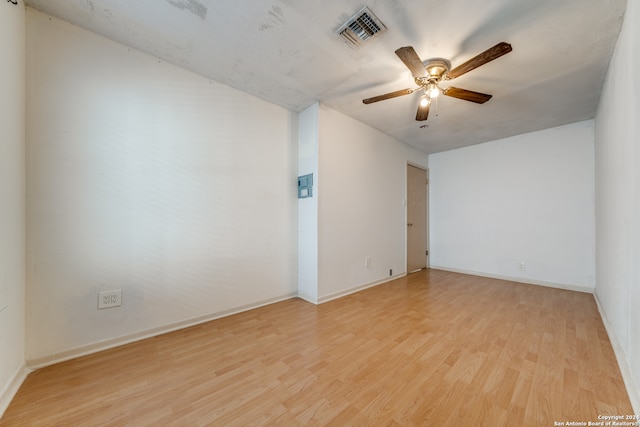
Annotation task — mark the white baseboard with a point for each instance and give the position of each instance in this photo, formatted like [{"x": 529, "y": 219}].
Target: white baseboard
[
  {"x": 307, "y": 298},
  {"x": 633, "y": 391},
  {"x": 41, "y": 362},
  {"x": 9, "y": 391},
  {"x": 577, "y": 288},
  {"x": 355, "y": 289}
]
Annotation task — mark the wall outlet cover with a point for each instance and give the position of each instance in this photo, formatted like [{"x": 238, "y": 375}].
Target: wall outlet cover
[{"x": 108, "y": 299}]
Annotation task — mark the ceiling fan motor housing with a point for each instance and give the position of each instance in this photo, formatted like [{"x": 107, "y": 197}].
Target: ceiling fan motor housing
[{"x": 436, "y": 69}]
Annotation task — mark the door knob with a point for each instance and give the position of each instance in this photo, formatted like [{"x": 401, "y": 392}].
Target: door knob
[{"x": 410, "y": 224}]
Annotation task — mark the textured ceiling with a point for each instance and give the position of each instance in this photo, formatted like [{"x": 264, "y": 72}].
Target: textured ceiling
[{"x": 287, "y": 52}]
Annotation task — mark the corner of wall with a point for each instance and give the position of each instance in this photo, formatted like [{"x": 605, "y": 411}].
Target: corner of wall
[
  {"x": 12, "y": 200},
  {"x": 633, "y": 389},
  {"x": 617, "y": 202},
  {"x": 11, "y": 388},
  {"x": 307, "y": 244}
]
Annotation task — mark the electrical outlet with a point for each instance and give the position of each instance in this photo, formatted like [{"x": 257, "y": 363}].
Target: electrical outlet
[
  {"x": 390, "y": 272},
  {"x": 522, "y": 266},
  {"x": 367, "y": 261},
  {"x": 108, "y": 299}
]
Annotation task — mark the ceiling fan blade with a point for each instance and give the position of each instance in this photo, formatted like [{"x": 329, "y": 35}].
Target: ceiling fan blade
[
  {"x": 389, "y": 95},
  {"x": 487, "y": 56},
  {"x": 412, "y": 61},
  {"x": 423, "y": 112},
  {"x": 467, "y": 95}
]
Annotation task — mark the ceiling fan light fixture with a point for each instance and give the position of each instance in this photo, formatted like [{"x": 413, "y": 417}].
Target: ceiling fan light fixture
[
  {"x": 432, "y": 90},
  {"x": 427, "y": 74}
]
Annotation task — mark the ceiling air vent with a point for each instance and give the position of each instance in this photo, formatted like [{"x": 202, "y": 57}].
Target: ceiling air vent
[{"x": 361, "y": 27}]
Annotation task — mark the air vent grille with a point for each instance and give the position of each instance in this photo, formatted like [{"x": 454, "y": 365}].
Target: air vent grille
[{"x": 361, "y": 27}]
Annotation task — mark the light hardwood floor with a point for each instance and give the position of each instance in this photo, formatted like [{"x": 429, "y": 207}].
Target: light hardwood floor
[{"x": 432, "y": 349}]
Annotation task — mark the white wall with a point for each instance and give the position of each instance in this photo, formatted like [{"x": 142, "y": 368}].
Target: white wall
[
  {"x": 151, "y": 179},
  {"x": 12, "y": 204},
  {"x": 527, "y": 198},
  {"x": 308, "y": 207},
  {"x": 362, "y": 185},
  {"x": 617, "y": 142}
]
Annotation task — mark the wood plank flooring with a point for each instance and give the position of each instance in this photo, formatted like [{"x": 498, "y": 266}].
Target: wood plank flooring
[{"x": 432, "y": 349}]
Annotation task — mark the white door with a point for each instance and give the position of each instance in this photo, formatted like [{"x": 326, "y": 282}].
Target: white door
[{"x": 416, "y": 218}]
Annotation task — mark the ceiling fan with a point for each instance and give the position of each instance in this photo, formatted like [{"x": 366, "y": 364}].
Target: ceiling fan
[{"x": 429, "y": 73}]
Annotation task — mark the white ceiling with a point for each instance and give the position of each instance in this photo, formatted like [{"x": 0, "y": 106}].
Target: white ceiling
[{"x": 287, "y": 52}]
